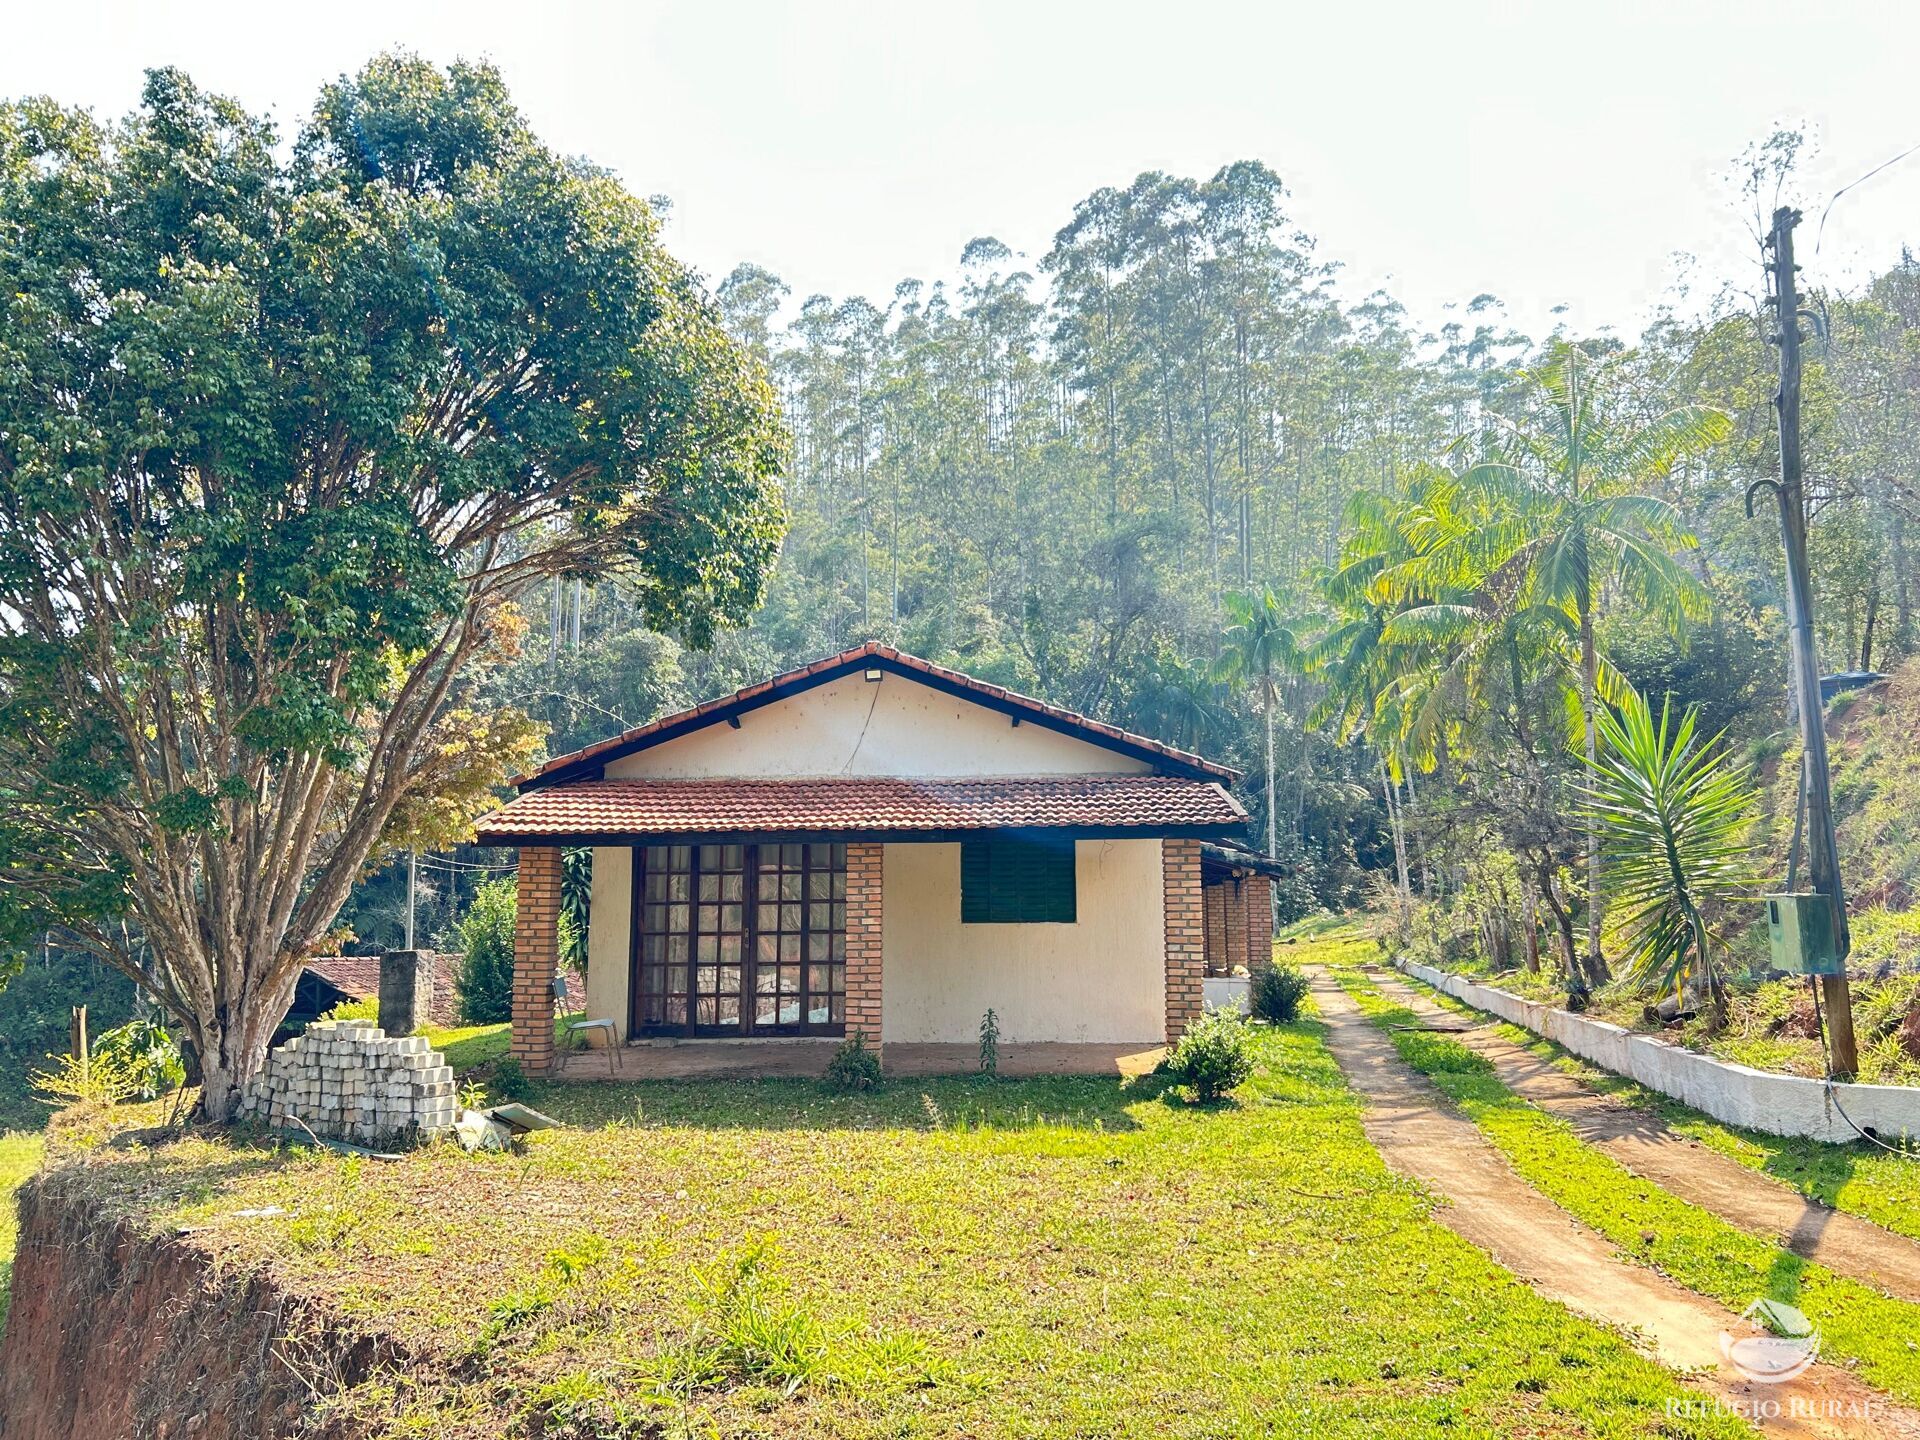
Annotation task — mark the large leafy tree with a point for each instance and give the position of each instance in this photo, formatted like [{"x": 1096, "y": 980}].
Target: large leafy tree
[
  {"x": 283, "y": 434},
  {"x": 1575, "y": 466}
]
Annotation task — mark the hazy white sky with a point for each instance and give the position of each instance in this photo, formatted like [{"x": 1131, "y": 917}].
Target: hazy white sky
[{"x": 1554, "y": 154}]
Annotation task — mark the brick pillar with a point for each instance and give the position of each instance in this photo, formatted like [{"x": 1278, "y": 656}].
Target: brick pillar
[
  {"x": 536, "y": 958},
  {"x": 1236, "y": 925},
  {"x": 865, "y": 873},
  {"x": 1186, "y": 934},
  {"x": 1259, "y": 898}
]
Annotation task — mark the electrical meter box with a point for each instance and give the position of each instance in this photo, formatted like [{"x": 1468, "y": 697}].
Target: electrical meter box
[{"x": 1800, "y": 930}]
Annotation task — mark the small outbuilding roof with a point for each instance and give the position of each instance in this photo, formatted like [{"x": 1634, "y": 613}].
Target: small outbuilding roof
[
  {"x": 863, "y": 808},
  {"x": 1237, "y": 857},
  {"x": 587, "y": 763}
]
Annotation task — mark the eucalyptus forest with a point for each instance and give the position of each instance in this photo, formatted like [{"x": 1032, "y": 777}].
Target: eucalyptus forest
[{"x": 1167, "y": 475}]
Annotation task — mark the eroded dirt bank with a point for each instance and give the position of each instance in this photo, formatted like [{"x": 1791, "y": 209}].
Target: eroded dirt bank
[{"x": 113, "y": 1335}]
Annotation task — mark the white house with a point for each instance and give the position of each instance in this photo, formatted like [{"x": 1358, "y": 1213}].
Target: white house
[{"x": 877, "y": 844}]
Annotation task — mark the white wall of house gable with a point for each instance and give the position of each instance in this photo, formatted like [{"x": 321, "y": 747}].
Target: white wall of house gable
[{"x": 850, "y": 726}]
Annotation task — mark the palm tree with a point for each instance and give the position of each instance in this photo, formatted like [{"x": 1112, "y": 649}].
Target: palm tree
[
  {"x": 1261, "y": 645},
  {"x": 1578, "y": 527},
  {"x": 1673, "y": 814}
]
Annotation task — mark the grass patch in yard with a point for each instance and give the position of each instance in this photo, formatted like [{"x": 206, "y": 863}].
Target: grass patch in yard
[
  {"x": 1057, "y": 1256},
  {"x": 1695, "y": 1248},
  {"x": 20, "y": 1154},
  {"x": 1345, "y": 944}
]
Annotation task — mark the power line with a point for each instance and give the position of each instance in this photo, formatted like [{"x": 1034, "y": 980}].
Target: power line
[{"x": 1821, "y": 229}]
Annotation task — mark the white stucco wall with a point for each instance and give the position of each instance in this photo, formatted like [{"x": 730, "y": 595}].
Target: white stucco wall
[
  {"x": 609, "y": 924},
  {"x": 1733, "y": 1094},
  {"x": 1101, "y": 979},
  {"x": 894, "y": 726}
]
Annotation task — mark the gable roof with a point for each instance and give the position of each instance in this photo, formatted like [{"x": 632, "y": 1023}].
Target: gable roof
[{"x": 588, "y": 763}]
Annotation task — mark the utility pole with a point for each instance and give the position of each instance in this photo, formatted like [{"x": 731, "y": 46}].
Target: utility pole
[{"x": 1823, "y": 860}]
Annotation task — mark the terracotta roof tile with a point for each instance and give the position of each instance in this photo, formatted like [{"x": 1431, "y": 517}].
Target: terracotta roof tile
[
  {"x": 641, "y": 736},
  {"x": 1147, "y": 803}
]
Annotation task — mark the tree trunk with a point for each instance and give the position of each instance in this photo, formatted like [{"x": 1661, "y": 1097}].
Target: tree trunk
[
  {"x": 1412, "y": 822},
  {"x": 231, "y": 1045},
  {"x": 1531, "y": 905},
  {"x": 1596, "y": 966},
  {"x": 1563, "y": 923},
  {"x": 1272, "y": 815},
  {"x": 1394, "y": 825}
]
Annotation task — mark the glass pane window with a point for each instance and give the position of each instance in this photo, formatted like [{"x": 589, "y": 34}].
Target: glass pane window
[{"x": 707, "y": 959}]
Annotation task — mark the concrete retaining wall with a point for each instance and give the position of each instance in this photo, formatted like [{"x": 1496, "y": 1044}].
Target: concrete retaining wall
[{"x": 1733, "y": 1094}]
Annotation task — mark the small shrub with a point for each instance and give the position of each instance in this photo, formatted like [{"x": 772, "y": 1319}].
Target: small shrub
[
  {"x": 854, "y": 1066},
  {"x": 150, "y": 1055},
  {"x": 98, "y": 1080},
  {"x": 1213, "y": 1056},
  {"x": 510, "y": 1081},
  {"x": 484, "y": 979},
  {"x": 989, "y": 1043},
  {"x": 1276, "y": 994}
]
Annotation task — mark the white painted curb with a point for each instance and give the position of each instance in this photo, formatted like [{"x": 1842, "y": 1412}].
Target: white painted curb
[{"x": 1735, "y": 1094}]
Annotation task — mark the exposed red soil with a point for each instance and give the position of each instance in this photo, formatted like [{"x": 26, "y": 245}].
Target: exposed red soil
[{"x": 113, "y": 1334}]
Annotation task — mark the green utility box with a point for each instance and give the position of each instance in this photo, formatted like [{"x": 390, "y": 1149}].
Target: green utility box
[{"x": 1800, "y": 929}]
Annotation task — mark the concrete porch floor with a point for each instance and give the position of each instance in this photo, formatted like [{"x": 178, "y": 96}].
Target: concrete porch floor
[{"x": 754, "y": 1059}]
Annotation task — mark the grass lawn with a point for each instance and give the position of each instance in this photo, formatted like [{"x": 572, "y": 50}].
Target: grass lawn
[
  {"x": 1858, "y": 1325},
  {"x": 991, "y": 1258}
]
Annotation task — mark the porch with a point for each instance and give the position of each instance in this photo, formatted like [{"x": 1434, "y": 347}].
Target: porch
[
  {"x": 807, "y": 1058},
  {"x": 752, "y": 955}
]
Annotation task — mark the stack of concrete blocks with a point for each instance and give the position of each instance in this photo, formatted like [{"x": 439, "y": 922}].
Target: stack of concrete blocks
[{"x": 349, "y": 1080}]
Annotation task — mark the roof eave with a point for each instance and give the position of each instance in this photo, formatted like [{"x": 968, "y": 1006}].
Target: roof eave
[{"x": 1220, "y": 831}]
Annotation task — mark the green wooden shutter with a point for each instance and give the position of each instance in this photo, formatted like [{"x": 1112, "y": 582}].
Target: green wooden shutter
[
  {"x": 976, "y": 882},
  {"x": 1007, "y": 879}
]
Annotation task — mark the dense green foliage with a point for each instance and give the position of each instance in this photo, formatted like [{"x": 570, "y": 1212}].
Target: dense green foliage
[
  {"x": 1673, "y": 816},
  {"x": 1160, "y": 474},
  {"x": 36, "y": 1007},
  {"x": 285, "y": 432},
  {"x": 1276, "y": 993},
  {"x": 1213, "y": 1055},
  {"x": 147, "y": 1053},
  {"x": 483, "y": 980},
  {"x": 853, "y": 1066}
]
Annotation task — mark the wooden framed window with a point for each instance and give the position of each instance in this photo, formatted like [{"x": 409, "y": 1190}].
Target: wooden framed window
[
  {"x": 740, "y": 939},
  {"x": 1017, "y": 880}
]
